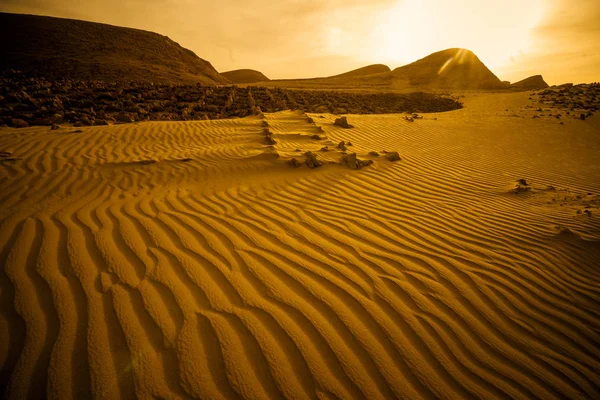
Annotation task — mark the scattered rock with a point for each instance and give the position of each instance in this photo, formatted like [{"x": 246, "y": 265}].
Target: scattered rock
[
  {"x": 326, "y": 148},
  {"x": 374, "y": 153},
  {"x": 521, "y": 186},
  {"x": 354, "y": 162},
  {"x": 393, "y": 156},
  {"x": 343, "y": 122},
  {"x": 316, "y": 137},
  {"x": 342, "y": 146},
  {"x": 54, "y": 127},
  {"x": 294, "y": 163},
  {"x": 269, "y": 140},
  {"x": 311, "y": 160},
  {"x": 348, "y": 144},
  {"x": 19, "y": 123},
  {"x": 100, "y": 122},
  {"x": 409, "y": 119}
]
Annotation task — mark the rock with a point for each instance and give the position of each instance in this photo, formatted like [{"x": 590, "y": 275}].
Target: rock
[
  {"x": 374, "y": 153},
  {"x": 294, "y": 163},
  {"x": 100, "y": 122},
  {"x": 43, "y": 121},
  {"x": 269, "y": 140},
  {"x": 19, "y": 123},
  {"x": 355, "y": 163},
  {"x": 342, "y": 146},
  {"x": 122, "y": 117},
  {"x": 343, "y": 122},
  {"x": 86, "y": 121},
  {"x": 325, "y": 148},
  {"x": 349, "y": 144},
  {"x": 311, "y": 160},
  {"x": 316, "y": 137},
  {"x": 54, "y": 127},
  {"x": 393, "y": 156},
  {"x": 521, "y": 186}
]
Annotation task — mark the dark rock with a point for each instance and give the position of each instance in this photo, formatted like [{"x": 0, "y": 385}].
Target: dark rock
[
  {"x": 100, "y": 122},
  {"x": 19, "y": 123},
  {"x": 374, "y": 153},
  {"x": 311, "y": 160},
  {"x": 343, "y": 122},
  {"x": 123, "y": 117},
  {"x": 294, "y": 163},
  {"x": 269, "y": 140},
  {"x": 354, "y": 162},
  {"x": 393, "y": 156},
  {"x": 316, "y": 137},
  {"x": 342, "y": 146},
  {"x": 54, "y": 127}
]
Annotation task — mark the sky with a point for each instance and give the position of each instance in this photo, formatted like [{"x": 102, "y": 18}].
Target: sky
[{"x": 558, "y": 39}]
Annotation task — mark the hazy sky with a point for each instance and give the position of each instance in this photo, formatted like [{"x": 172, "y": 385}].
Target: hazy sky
[{"x": 559, "y": 39}]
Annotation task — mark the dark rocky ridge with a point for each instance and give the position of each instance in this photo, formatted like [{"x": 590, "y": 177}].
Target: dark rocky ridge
[
  {"x": 58, "y": 47},
  {"x": 40, "y": 101}
]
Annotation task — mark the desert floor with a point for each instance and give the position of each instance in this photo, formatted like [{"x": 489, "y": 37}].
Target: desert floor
[{"x": 129, "y": 270}]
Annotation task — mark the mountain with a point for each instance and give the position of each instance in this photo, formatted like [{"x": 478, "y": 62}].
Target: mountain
[
  {"x": 533, "y": 82},
  {"x": 451, "y": 68},
  {"x": 245, "y": 76},
  {"x": 58, "y": 47},
  {"x": 368, "y": 70}
]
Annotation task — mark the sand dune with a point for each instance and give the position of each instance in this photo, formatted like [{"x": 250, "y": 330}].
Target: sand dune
[{"x": 189, "y": 260}]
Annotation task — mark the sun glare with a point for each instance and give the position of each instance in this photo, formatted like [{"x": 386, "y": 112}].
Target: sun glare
[{"x": 413, "y": 29}]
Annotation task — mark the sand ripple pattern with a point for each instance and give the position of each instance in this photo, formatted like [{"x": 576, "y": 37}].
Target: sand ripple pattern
[{"x": 231, "y": 275}]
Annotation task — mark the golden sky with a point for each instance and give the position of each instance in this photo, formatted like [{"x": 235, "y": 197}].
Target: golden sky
[{"x": 559, "y": 39}]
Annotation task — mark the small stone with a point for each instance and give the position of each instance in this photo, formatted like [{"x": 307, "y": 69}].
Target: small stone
[
  {"x": 393, "y": 156},
  {"x": 294, "y": 163},
  {"x": 374, "y": 153},
  {"x": 311, "y": 160},
  {"x": 316, "y": 137},
  {"x": 343, "y": 122},
  {"x": 54, "y": 127},
  {"x": 342, "y": 146}
]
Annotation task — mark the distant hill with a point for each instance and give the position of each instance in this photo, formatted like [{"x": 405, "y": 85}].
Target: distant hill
[
  {"x": 451, "y": 68},
  {"x": 245, "y": 76},
  {"x": 447, "y": 69},
  {"x": 533, "y": 82},
  {"x": 368, "y": 70},
  {"x": 58, "y": 47}
]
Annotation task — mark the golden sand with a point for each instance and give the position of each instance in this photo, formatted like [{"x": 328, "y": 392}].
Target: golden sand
[{"x": 190, "y": 260}]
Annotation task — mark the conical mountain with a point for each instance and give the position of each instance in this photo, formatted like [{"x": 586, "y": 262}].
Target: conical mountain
[{"x": 451, "y": 68}]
